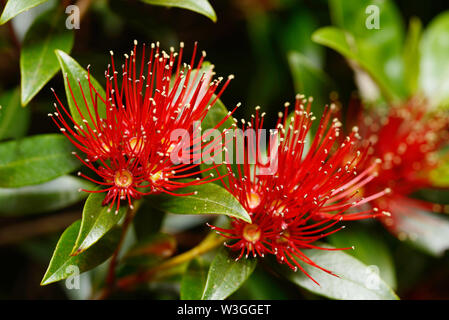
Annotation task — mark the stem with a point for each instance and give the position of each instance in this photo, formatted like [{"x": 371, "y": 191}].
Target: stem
[
  {"x": 83, "y": 5},
  {"x": 110, "y": 280},
  {"x": 210, "y": 242}
]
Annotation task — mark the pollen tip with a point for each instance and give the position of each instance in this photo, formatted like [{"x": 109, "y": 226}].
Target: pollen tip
[
  {"x": 111, "y": 53},
  {"x": 353, "y": 247},
  {"x": 387, "y": 190},
  {"x": 231, "y": 76}
]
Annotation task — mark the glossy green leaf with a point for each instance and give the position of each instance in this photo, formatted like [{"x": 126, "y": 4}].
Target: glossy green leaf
[
  {"x": 210, "y": 199},
  {"x": 194, "y": 280},
  {"x": 97, "y": 220},
  {"x": 226, "y": 275},
  {"x": 75, "y": 74},
  {"x": 378, "y": 45},
  {"x": 63, "y": 265},
  {"x": 355, "y": 280},
  {"x": 49, "y": 196},
  {"x": 199, "y": 6},
  {"x": 370, "y": 248},
  {"x": 35, "y": 160},
  {"x": 14, "y": 120},
  {"x": 38, "y": 63},
  {"x": 434, "y": 67},
  {"x": 15, "y": 7}
]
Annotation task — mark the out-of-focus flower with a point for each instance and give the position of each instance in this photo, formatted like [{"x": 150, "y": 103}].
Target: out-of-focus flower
[
  {"x": 407, "y": 139},
  {"x": 304, "y": 200},
  {"x": 129, "y": 149}
]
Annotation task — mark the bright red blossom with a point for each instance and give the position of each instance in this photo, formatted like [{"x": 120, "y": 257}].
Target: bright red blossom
[
  {"x": 308, "y": 195},
  {"x": 125, "y": 135}
]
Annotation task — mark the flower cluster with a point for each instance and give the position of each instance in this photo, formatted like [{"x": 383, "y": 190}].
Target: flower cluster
[
  {"x": 407, "y": 139},
  {"x": 311, "y": 191},
  {"x": 126, "y": 134}
]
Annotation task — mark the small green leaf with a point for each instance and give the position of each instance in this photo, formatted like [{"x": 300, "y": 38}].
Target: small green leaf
[
  {"x": 49, "y": 196},
  {"x": 226, "y": 275},
  {"x": 15, "y": 7},
  {"x": 38, "y": 63},
  {"x": 210, "y": 199},
  {"x": 370, "y": 248},
  {"x": 194, "y": 280},
  {"x": 434, "y": 67},
  {"x": 75, "y": 75},
  {"x": 14, "y": 120},
  {"x": 97, "y": 220},
  {"x": 63, "y": 265},
  {"x": 35, "y": 160},
  {"x": 200, "y": 6},
  {"x": 355, "y": 280}
]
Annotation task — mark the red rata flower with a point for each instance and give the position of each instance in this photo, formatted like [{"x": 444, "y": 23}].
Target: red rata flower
[
  {"x": 129, "y": 148},
  {"x": 407, "y": 139},
  {"x": 308, "y": 195}
]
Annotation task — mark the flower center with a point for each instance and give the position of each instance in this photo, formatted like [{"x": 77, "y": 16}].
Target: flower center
[
  {"x": 283, "y": 238},
  {"x": 252, "y": 233},
  {"x": 155, "y": 177},
  {"x": 135, "y": 144},
  {"x": 253, "y": 200},
  {"x": 123, "y": 178}
]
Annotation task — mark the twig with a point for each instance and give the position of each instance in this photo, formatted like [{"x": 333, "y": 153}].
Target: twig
[
  {"x": 210, "y": 242},
  {"x": 25, "y": 230}
]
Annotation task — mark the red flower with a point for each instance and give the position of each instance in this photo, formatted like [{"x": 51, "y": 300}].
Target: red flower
[
  {"x": 130, "y": 148},
  {"x": 306, "y": 197},
  {"x": 407, "y": 140}
]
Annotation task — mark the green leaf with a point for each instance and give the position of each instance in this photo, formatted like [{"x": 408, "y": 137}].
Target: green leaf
[
  {"x": 62, "y": 265},
  {"x": 199, "y": 6},
  {"x": 226, "y": 275},
  {"x": 381, "y": 48},
  {"x": 38, "y": 63},
  {"x": 210, "y": 199},
  {"x": 35, "y": 160},
  {"x": 194, "y": 280},
  {"x": 49, "y": 196},
  {"x": 344, "y": 43},
  {"x": 434, "y": 67},
  {"x": 370, "y": 248},
  {"x": 355, "y": 280},
  {"x": 14, "y": 120},
  {"x": 97, "y": 220},
  {"x": 75, "y": 75},
  {"x": 411, "y": 55},
  {"x": 15, "y": 7}
]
